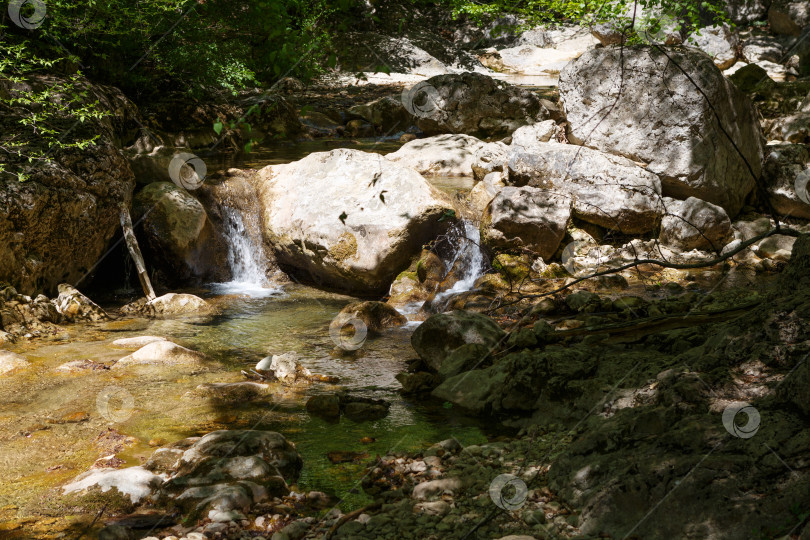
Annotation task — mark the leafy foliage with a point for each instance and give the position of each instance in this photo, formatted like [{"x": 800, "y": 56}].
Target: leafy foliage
[{"x": 197, "y": 47}]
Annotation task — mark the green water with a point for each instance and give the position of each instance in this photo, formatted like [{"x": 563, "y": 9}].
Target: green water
[{"x": 39, "y": 451}]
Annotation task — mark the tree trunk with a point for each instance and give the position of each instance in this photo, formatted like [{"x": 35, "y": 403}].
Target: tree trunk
[{"x": 135, "y": 251}]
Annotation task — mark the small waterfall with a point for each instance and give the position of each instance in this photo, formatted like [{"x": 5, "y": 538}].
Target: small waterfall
[
  {"x": 246, "y": 259},
  {"x": 468, "y": 260}
]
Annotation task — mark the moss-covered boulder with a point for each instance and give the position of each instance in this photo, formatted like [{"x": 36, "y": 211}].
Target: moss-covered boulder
[{"x": 443, "y": 333}]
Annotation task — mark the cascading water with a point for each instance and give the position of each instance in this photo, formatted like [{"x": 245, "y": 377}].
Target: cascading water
[
  {"x": 468, "y": 260},
  {"x": 246, "y": 259}
]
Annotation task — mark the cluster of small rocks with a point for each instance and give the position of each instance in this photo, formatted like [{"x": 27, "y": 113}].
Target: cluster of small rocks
[{"x": 27, "y": 317}]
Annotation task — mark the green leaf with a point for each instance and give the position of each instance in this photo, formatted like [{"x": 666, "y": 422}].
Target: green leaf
[
  {"x": 218, "y": 126},
  {"x": 448, "y": 214},
  {"x": 248, "y": 146}
]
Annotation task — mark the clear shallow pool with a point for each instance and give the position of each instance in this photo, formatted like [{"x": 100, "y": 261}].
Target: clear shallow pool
[{"x": 50, "y": 421}]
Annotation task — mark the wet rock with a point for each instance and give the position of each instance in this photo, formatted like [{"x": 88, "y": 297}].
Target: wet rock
[
  {"x": 442, "y": 155},
  {"x": 670, "y": 116},
  {"x": 443, "y": 333},
  {"x": 222, "y": 474},
  {"x": 327, "y": 405},
  {"x": 11, "y": 362},
  {"x": 479, "y": 105},
  {"x": 348, "y": 219},
  {"x": 233, "y": 393},
  {"x": 719, "y": 42},
  {"x": 377, "y": 316},
  {"x": 526, "y": 217},
  {"x": 162, "y": 353},
  {"x": 78, "y": 366},
  {"x": 365, "y": 412},
  {"x": 414, "y": 383},
  {"x": 116, "y": 532},
  {"x": 512, "y": 268},
  {"x": 471, "y": 390},
  {"x": 579, "y": 300},
  {"x": 76, "y": 307},
  {"x": 170, "y": 305},
  {"x": 606, "y": 190},
  {"x": 285, "y": 367},
  {"x": 695, "y": 224}
]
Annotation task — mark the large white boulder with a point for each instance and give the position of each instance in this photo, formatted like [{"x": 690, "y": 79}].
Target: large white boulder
[
  {"x": 348, "y": 219},
  {"x": 442, "y": 155},
  {"x": 609, "y": 191},
  {"x": 656, "y": 116}
]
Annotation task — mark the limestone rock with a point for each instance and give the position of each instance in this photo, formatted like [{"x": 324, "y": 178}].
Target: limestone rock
[
  {"x": 526, "y": 217},
  {"x": 478, "y": 105},
  {"x": 785, "y": 177},
  {"x": 718, "y": 42},
  {"x": 377, "y": 316},
  {"x": 442, "y": 155},
  {"x": 75, "y": 307},
  {"x": 662, "y": 120},
  {"x": 348, "y": 219},
  {"x": 162, "y": 353},
  {"x": 171, "y": 305},
  {"x": 695, "y": 224},
  {"x": 488, "y": 159},
  {"x": 609, "y": 191}
]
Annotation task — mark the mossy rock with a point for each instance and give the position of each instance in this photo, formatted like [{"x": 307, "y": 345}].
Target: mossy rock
[{"x": 512, "y": 267}]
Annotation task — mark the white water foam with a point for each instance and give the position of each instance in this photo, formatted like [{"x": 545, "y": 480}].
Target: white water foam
[
  {"x": 471, "y": 258},
  {"x": 246, "y": 259}
]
